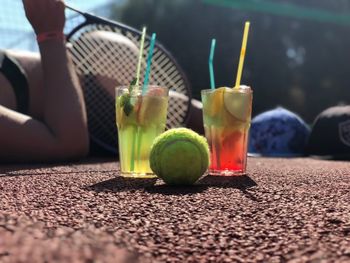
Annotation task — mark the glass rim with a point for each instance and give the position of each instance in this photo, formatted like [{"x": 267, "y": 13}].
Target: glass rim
[
  {"x": 246, "y": 90},
  {"x": 150, "y": 85},
  {"x": 120, "y": 89}
]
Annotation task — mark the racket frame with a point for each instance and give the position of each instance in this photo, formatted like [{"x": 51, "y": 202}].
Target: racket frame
[{"x": 91, "y": 19}]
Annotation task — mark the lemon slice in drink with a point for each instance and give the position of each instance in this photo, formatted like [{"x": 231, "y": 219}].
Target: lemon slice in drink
[
  {"x": 216, "y": 101},
  {"x": 237, "y": 102}
]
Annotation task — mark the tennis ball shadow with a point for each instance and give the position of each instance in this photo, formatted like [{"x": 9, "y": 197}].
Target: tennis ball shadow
[
  {"x": 165, "y": 189},
  {"x": 242, "y": 183},
  {"x": 239, "y": 182},
  {"x": 120, "y": 184}
]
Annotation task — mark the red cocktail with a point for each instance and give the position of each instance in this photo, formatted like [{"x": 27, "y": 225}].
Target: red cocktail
[{"x": 227, "y": 115}]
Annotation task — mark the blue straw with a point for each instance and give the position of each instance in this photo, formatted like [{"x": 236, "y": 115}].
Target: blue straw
[
  {"x": 211, "y": 68},
  {"x": 149, "y": 61}
]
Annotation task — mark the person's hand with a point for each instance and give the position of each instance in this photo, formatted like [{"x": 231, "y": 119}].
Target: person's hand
[{"x": 45, "y": 15}]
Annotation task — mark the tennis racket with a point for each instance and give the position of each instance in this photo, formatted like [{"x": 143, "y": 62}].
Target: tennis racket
[{"x": 105, "y": 55}]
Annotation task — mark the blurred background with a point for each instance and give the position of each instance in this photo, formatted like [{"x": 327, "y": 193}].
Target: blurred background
[{"x": 298, "y": 51}]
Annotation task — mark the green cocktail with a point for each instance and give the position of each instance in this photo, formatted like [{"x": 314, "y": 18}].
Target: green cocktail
[{"x": 140, "y": 119}]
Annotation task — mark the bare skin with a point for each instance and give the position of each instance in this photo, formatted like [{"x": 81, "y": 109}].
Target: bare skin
[{"x": 57, "y": 126}]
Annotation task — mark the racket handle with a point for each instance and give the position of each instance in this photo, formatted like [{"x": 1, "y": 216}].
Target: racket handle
[
  {"x": 88, "y": 17},
  {"x": 75, "y": 10}
]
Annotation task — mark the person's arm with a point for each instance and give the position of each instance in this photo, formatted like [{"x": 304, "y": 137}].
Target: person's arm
[{"x": 63, "y": 133}]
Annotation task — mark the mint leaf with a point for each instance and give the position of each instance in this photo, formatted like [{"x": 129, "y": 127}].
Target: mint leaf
[
  {"x": 132, "y": 85},
  {"x": 123, "y": 99},
  {"x": 128, "y": 107},
  {"x": 125, "y": 103},
  {"x": 126, "y": 99}
]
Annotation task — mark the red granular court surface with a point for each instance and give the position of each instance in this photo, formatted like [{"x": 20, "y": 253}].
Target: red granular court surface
[{"x": 285, "y": 210}]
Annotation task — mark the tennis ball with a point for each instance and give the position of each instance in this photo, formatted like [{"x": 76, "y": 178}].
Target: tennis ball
[{"x": 179, "y": 156}]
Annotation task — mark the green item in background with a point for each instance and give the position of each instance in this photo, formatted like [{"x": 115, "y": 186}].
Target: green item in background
[
  {"x": 179, "y": 156},
  {"x": 285, "y": 9}
]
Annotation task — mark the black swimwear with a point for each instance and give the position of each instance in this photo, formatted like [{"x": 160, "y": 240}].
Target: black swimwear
[{"x": 15, "y": 74}]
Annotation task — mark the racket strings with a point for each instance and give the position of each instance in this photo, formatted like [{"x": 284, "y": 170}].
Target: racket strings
[
  {"x": 100, "y": 115},
  {"x": 105, "y": 57},
  {"x": 93, "y": 63}
]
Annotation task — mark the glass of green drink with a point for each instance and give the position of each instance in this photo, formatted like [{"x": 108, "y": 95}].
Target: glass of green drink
[
  {"x": 227, "y": 115},
  {"x": 140, "y": 119}
]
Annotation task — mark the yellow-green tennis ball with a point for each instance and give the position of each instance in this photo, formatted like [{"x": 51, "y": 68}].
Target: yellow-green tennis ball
[{"x": 179, "y": 156}]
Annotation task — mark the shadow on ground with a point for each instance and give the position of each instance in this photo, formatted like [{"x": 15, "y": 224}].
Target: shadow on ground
[
  {"x": 120, "y": 184},
  {"x": 243, "y": 183},
  {"x": 239, "y": 182},
  {"x": 176, "y": 190},
  {"x": 154, "y": 185}
]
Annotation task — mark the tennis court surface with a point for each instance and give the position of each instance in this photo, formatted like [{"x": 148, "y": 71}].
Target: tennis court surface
[{"x": 287, "y": 210}]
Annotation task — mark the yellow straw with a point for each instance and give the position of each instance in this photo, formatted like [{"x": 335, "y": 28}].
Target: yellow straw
[
  {"x": 140, "y": 57},
  {"x": 242, "y": 56}
]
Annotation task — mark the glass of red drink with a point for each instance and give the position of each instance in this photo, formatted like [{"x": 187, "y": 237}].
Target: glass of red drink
[{"x": 227, "y": 116}]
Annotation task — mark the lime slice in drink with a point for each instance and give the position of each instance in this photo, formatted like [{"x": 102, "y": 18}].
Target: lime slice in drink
[
  {"x": 152, "y": 110},
  {"x": 119, "y": 111},
  {"x": 153, "y": 106},
  {"x": 156, "y": 91},
  {"x": 237, "y": 103}
]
